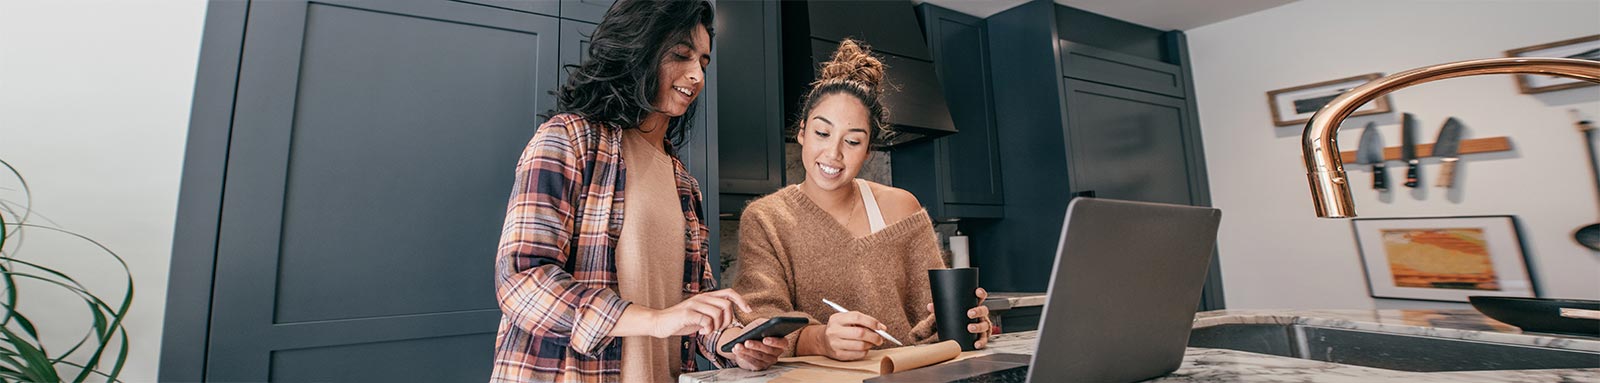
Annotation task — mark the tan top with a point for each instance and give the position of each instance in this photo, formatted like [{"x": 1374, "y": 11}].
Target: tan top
[
  {"x": 650, "y": 255},
  {"x": 792, "y": 255}
]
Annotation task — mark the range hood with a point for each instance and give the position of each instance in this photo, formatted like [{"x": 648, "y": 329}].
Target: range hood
[{"x": 812, "y": 30}]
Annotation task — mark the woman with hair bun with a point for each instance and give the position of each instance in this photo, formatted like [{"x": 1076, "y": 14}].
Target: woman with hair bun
[{"x": 863, "y": 245}]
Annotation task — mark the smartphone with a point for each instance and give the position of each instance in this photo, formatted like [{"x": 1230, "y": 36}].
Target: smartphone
[{"x": 775, "y": 327}]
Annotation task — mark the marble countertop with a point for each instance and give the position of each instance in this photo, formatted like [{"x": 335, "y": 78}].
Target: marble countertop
[
  {"x": 1001, "y": 301},
  {"x": 1447, "y": 324},
  {"x": 1220, "y": 365}
]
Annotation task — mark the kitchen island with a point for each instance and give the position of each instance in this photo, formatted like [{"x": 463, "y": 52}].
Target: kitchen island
[{"x": 1202, "y": 364}]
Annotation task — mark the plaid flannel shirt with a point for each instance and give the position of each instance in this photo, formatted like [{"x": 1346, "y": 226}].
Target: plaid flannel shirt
[{"x": 555, "y": 272}]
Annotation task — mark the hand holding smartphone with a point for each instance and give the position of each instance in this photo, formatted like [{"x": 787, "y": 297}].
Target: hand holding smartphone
[{"x": 774, "y": 327}]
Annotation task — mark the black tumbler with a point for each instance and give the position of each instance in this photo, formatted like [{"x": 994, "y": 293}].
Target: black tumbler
[{"x": 954, "y": 292}]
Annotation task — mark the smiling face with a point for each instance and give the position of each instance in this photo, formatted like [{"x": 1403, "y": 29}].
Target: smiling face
[
  {"x": 682, "y": 72},
  {"x": 833, "y": 141}
]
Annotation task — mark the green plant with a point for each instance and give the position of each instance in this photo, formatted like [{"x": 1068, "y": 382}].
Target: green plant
[{"x": 23, "y": 354}]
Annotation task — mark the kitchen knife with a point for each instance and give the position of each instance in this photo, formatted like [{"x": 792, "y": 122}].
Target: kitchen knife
[
  {"x": 1448, "y": 149},
  {"x": 1371, "y": 153},
  {"x": 1408, "y": 148}
]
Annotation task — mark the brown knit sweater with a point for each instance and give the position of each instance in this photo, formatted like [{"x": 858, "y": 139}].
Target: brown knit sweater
[{"x": 792, "y": 255}]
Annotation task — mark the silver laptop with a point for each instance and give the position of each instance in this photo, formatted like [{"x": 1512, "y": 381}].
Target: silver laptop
[{"x": 1122, "y": 298}]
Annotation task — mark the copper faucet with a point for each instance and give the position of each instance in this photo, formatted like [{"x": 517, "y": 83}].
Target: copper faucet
[{"x": 1330, "y": 190}]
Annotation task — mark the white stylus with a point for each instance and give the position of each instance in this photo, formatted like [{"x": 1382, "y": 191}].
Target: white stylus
[{"x": 885, "y": 335}]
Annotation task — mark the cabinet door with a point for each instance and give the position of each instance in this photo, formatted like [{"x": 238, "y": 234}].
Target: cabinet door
[
  {"x": 970, "y": 158},
  {"x": 574, "y": 47},
  {"x": 1127, "y": 144},
  {"x": 750, "y": 119},
  {"x": 543, "y": 7},
  {"x": 591, "y": 11},
  {"x": 371, "y": 152},
  {"x": 1085, "y": 62}
]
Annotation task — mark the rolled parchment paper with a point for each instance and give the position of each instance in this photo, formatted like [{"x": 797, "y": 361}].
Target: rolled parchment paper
[
  {"x": 888, "y": 361},
  {"x": 1580, "y": 313}
]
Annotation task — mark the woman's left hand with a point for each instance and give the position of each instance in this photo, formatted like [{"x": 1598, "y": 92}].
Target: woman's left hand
[
  {"x": 754, "y": 354},
  {"x": 981, "y": 313},
  {"x": 757, "y": 355}
]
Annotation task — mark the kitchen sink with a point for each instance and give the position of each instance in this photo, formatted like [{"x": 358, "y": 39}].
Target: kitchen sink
[{"x": 1385, "y": 350}]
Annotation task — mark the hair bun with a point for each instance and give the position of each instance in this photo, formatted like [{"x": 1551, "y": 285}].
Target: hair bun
[{"x": 853, "y": 61}]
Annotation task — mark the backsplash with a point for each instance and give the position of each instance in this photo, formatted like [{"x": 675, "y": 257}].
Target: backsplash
[
  {"x": 876, "y": 169},
  {"x": 728, "y": 250}
]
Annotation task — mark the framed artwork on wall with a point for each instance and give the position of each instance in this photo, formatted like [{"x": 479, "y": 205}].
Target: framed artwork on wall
[
  {"x": 1443, "y": 258},
  {"x": 1586, "y": 48},
  {"x": 1295, "y": 105}
]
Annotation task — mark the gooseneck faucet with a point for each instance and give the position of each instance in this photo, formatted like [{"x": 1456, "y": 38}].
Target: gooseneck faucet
[{"x": 1330, "y": 189}]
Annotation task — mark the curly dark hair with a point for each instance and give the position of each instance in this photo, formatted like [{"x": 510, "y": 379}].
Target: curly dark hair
[{"x": 616, "y": 84}]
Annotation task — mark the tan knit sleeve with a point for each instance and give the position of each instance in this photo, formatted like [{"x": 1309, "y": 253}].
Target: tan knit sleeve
[
  {"x": 766, "y": 273},
  {"x": 765, "y": 270},
  {"x": 924, "y": 254}
]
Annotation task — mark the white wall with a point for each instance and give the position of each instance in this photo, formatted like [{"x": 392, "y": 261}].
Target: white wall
[
  {"x": 1275, "y": 253},
  {"x": 94, "y": 110}
]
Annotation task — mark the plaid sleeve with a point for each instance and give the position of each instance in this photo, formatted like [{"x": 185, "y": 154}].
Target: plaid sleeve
[
  {"x": 706, "y": 346},
  {"x": 534, "y": 290}
]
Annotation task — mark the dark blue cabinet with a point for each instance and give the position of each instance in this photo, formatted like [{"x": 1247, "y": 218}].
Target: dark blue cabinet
[
  {"x": 367, "y": 144},
  {"x": 1127, "y": 126},
  {"x": 543, "y": 7},
  {"x": 585, "y": 10},
  {"x": 750, "y": 111},
  {"x": 1086, "y": 105},
  {"x": 957, "y": 176},
  {"x": 574, "y": 46},
  {"x": 589, "y": 11}
]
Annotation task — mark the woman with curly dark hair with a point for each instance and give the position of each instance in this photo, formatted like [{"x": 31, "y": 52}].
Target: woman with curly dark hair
[{"x": 595, "y": 287}]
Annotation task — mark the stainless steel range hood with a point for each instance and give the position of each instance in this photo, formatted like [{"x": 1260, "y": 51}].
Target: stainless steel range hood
[{"x": 813, "y": 29}]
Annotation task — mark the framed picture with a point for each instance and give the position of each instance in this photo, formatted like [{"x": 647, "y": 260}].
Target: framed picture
[
  {"x": 1443, "y": 259},
  {"x": 1295, "y": 105},
  {"x": 1587, "y": 48}
]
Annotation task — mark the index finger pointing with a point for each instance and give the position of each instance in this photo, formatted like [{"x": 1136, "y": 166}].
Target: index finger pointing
[{"x": 736, "y": 298}]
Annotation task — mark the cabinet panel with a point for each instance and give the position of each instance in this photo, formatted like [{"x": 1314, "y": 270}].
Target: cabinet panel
[
  {"x": 574, "y": 47},
  {"x": 591, "y": 11},
  {"x": 1112, "y": 68},
  {"x": 1126, "y": 144},
  {"x": 1091, "y": 28},
  {"x": 543, "y": 7},
  {"x": 343, "y": 174},
  {"x": 956, "y": 176},
  {"x": 749, "y": 113},
  {"x": 972, "y": 174}
]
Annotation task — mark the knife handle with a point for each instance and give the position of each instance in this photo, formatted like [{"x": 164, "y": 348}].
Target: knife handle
[
  {"x": 1411, "y": 173},
  {"x": 1447, "y": 174},
  {"x": 1380, "y": 178}
]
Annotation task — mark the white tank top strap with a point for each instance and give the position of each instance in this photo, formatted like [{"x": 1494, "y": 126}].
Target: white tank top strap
[{"x": 874, "y": 217}]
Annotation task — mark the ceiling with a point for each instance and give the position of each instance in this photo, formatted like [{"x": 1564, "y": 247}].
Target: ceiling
[{"x": 1158, "y": 14}]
